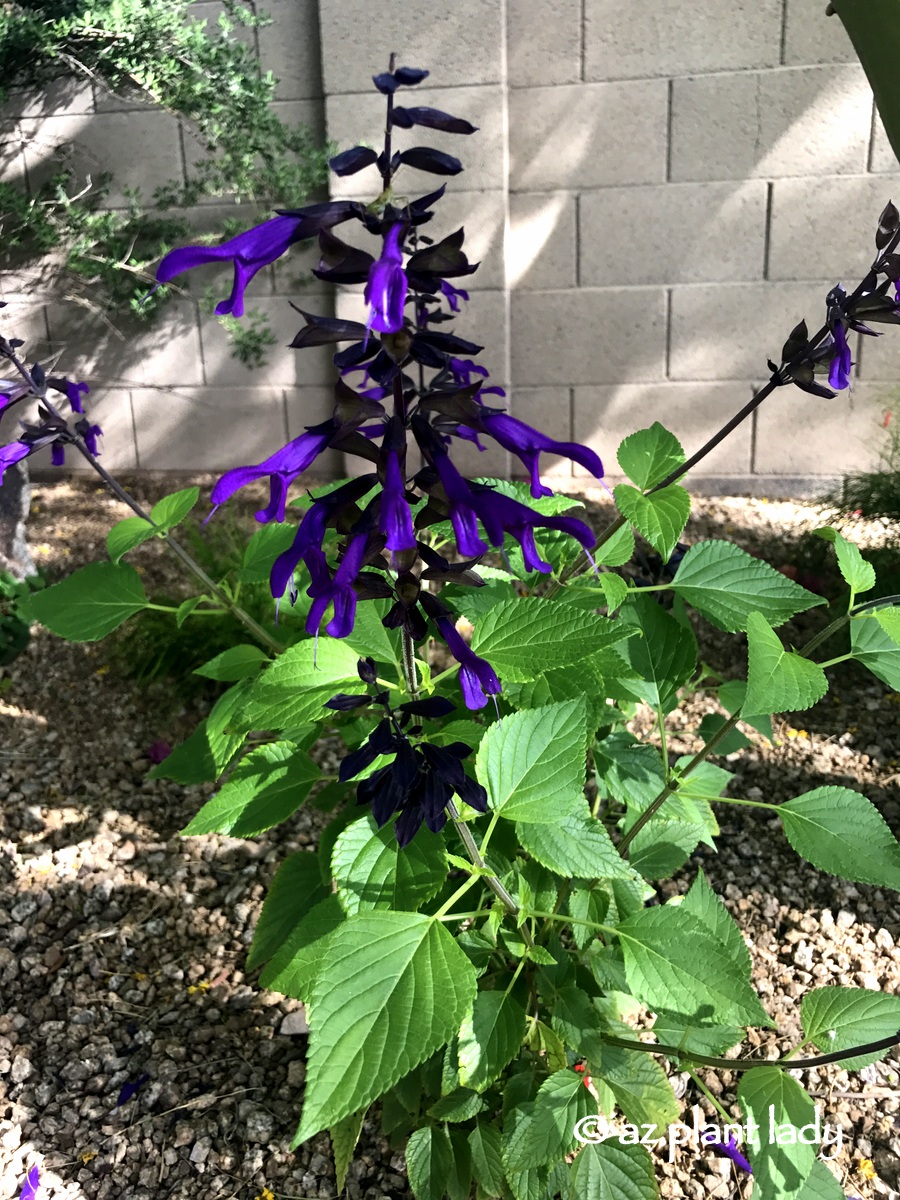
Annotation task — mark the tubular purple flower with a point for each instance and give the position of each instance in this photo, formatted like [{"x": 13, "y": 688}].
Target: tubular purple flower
[
  {"x": 500, "y": 514},
  {"x": 338, "y": 591},
  {"x": 453, "y": 296},
  {"x": 58, "y": 455},
  {"x": 476, "y": 676},
  {"x": 90, "y": 435},
  {"x": 528, "y": 444},
  {"x": 31, "y": 1185},
  {"x": 839, "y": 371},
  {"x": 463, "y": 514},
  {"x": 282, "y": 467},
  {"x": 249, "y": 251},
  {"x": 13, "y": 453},
  {"x": 385, "y": 292},
  {"x": 73, "y": 395},
  {"x": 395, "y": 520},
  {"x": 730, "y": 1150}
]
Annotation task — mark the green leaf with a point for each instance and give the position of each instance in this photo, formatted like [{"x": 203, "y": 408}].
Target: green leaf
[
  {"x": 874, "y": 29},
  {"x": 673, "y": 961},
  {"x": 186, "y": 608},
  {"x": 703, "y": 902},
  {"x": 573, "y": 845},
  {"x": 89, "y": 603},
  {"x": 672, "y": 1030},
  {"x": 726, "y": 585},
  {"x": 649, "y": 455},
  {"x": 530, "y": 1184},
  {"x": 532, "y": 763},
  {"x": 732, "y": 695},
  {"x": 265, "y": 789},
  {"x": 126, "y": 535},
  {"x": 858, "y": 574},
  {"x": 489, "y": 1038},
  {"x": 393, "y": 988},
  {"x": 462, "y": 1104},
  {"x": 429, "y": 1160},
  {"x": 373, "y": 872},
  {"x": 874, "y": 644},
  {"x": 485, "y": 1144},
  {"x": 549, "y": 1132},
  {"x": 369, "y": 638},
  {"x": 639, "y": 1085},
  {"x": 459, "y": 1181},
  {"x": 778, "y": 680},
  {"x": 612, "y": 1171},
  {"x": 295, "y": 889},
  {"x": 293, "y": 690},
  {"x": 889, "y": 620},
  {"x": 235, "y": 663},
  {"x": 263, "y": 548},
  {"x": 843, "y": 833},
  {"x": 618, "y": 549},
  {"x": 821, "y": 1185},
  {"x": 344, "y": 1136},
  {"x": 614, "y": 589},
  {"x": 172, "y": 510},
  {"x": 293, "y": 968},
  {"x": 213, "y": 744},
  {"x": 523, "y": 638},
  {"x": 664, "y": 656},
  {"x": 577, "y": 1022},
  {"x": 659, "y": 518},
  {"x": 836, "y": 1018},
  {"x": 782, "y": 1110}
]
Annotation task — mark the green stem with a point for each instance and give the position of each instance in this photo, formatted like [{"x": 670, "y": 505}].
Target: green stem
[
  {"x": 471, "y": 880},
  {"x": 731, "y": 800},
  {"x": 489, "y": 832},
  {"x": 786, "y": 1062},
  {"x": 832, "y": 662},
  {"x": 701, "y": 1087},
  {"x": 463, "y": 916},
  {"x": 664, "y": 742}
]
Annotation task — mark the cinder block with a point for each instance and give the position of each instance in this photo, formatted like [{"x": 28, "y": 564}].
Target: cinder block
[
  {"x": 727, "y": 331},
  {"x": 60, "y": 97},
  {"x": 140, "y": 150},
  {"x": 24, "y": 317},
  {"x": 677, "y": 233},
  {"x": 589, "y": 335},
  {"x": 587, "y": 135},
  {"x": 111, "y": 410},
  {"x": 359, "y": 120},
  {"x": 802, "y": 121},
  {"x": 542, "y": 247},
  {"x": 801, "y": 434},
  {"x": 827, "y": 225},
  {"x": 166, "y": 353},
  {"x": 291, "y": 48},
  {"x": 12, "y": 159},
  {"x": 307, "y": 406},
  {"x": 543, "y": 42},
  {"x": 810, "y": 36},
  {"x": 207, "y": 429},
  {"x": 879, "y": 359},
  {"x": 306, "y": 368},
  {"x": 669, "y": 37},
  {"x": 492, "y": 463},
  {"x": 549, "y": 410},
  {"x": 459, "y": 43},
  {"x": 883, "y": 159},
  {"x": 693, "y": 412}
]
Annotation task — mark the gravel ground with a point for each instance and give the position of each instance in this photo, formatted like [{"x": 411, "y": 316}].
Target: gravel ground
[{"x": 122, "y": 946}]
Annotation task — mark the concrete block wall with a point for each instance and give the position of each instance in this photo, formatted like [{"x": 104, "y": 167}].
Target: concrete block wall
[{"x": 658, "y": 193}]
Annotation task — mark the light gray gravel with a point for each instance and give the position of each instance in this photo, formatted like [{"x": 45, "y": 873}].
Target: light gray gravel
[{"x": 122, "y": 946}]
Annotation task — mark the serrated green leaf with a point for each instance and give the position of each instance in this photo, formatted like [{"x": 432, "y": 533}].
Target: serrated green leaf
[
  {"x": 126, "y": 534},
  {"x": 485, "y": 1144},
  {"x": 532, "y": 763},
  {"x": 772, "y": 1099},
  {"x": 172, "y": 510},
  {"x": 489, "y": 1038},
  {"x": 673, "y": 961},
  {"x": 778, "y": 680},
  {"x": 90, "y": 603},
  {"x": 615, "y": 590},
  {"x": 889, "y": 620},
  {"x": 429, "y": 1160},
  {"x": 836, "y": 1018},
  {"x": 459, "y": 1181},
  {"x": 612, "y": 1171},
  {"x": 873, "y": 644},
  {"x": 703, "y": 902},
  {"x": 237, "y": 662},
  {"x": 372, "y": 871},
  {"x": 265, "y": 789},
  {"x": 843, "y": 833},
  {"x": 821, "y": 1185},
  {"x": 726, "y": 584},
  {"x": 293, "y": 968},
  {"x": 370, "y": 638},
  {"x": 573, "y": 845},
  {"x": 549, "y": 1133},
  {"x": 659, "y": 518},
  {"x": 649, "y": 455},
  {"x": 618, "y": 549},
  {"x": 857, "y": 573},
  {"x": 393, "y": 988},
  {"x": 293, "y": 690},
  {"x": 672, "y": 1030},
  {"x": 639, "y": 1085},
  {"x": 264, "y": 547},
  {"x": 524, "y": 638},
  {"x": 186, "y": 608},
  {"x": 213, "y": 744},
  {"x": 663, "y": 657},
  {"x": 344, "y": 1136},
  {"x": 297, "y": 886},
  {"x": 530, "y": 1184},
  {"x": 577, "y": 1022},
  {"x": 462, "y": 1104}
]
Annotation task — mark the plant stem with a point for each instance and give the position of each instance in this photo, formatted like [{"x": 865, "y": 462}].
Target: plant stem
[
  {"x": 701, "y": 1087},
  {"x": 460, "y": 891},
  {"x": 747, "y": 1064}
]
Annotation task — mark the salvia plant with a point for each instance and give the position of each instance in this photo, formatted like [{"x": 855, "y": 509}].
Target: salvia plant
[{"x": 479, "y": 939}]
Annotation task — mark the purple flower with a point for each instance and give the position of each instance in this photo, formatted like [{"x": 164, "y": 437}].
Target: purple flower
[
  {"x": 395, "y": 520},
  {"x": 131, "y": 1089},
  {"x": 249, "y": 251},
  {"x": 528, "y": 444},
  {"x": 58, "y": 455},
  {"x": 73, "y": 395},
  {"x": 385, "y": 292},
  {"x": 283, "y": 467},
  {"x": 32, "y": 1183},
  {"x": 338, "y": 591},
  {"x": 454, "y": 295},
  {"x": 14, "y": 453},
  {"x": 158, "y": 751},
  {"x": 463, "y": 513},
  {"x": 462, "y": 370},
  {"x": 729, "y": 1150},
  {"x": 841, "y": 362},
  {"x": 500, "y": 514},
  {"x": 476, "y": 676},
  {"x": 90, "y": 433}
]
